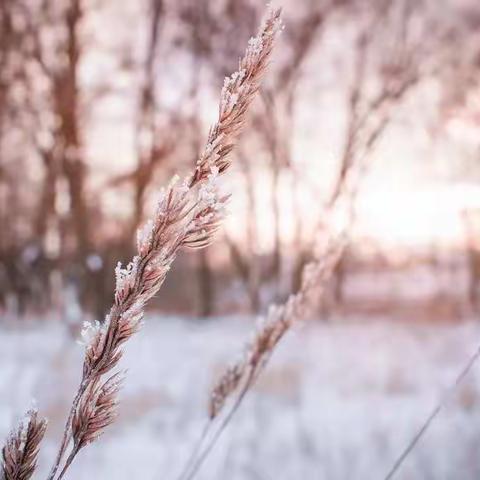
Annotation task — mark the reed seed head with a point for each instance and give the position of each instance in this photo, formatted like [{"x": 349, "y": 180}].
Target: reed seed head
[{"x": 20, "y": 452}]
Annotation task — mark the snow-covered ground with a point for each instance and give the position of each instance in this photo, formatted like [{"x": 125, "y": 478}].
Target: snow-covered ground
[{"x": 338, "y": 400}]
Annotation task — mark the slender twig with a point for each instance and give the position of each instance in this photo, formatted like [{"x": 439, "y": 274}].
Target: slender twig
[
  {"x": 448, "y": 394},
  {"x": 195, "y": 450},
  {"x": 68, "y": 462},
  {"x": 67, "y": 435},
  {"x": 202, "y": 454}
]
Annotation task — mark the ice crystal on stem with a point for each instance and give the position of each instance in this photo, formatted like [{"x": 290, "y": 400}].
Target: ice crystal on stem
[{"x": 89, "y": 332}]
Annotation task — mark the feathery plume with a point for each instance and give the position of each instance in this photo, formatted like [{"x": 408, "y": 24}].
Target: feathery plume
[
  {"x": 20, "y": 452},
  {"x": 96, "y": 411}
]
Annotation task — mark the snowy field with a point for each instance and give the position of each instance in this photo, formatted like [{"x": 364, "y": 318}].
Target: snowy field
[{"x": 337, "y": 402}]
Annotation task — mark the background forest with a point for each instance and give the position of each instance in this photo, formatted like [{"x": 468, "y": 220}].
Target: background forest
[{"x": 103, "y": 102}]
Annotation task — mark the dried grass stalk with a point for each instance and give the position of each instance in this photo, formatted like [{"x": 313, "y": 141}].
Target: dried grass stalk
[
  {"x": 272, "y": 328},
  {"x": 20, "y": 452},
  {"x": 239, "y": 377},
  {"x": 188, "y": 215}
]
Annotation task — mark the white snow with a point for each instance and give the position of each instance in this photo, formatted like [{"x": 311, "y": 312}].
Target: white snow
[{"x": 338, "y": 400}]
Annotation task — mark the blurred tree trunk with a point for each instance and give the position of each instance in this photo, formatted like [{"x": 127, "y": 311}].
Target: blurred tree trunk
[
  {"x": 46, "y": 205},
  {"x": 268, "y": 127},
  {"x": 247, "y": 264},
  {"x": 471, "y": 220},
  {"x": 204, "y": 270},
  {"x": 205, "y": 283},
  {"x": 147, "y": 151},
  {"x": 67, "y": 106},
  {"x": 276, "y": 233},
  {"x": 75, "y": 171},
  {"x": 6, "y": 37},
  {"x": 252, "y": 270}
]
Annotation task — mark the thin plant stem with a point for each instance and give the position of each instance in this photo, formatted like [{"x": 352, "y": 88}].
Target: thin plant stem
[
  {"x": 448, "y": 394},
  {"x": 67, "y": 435},
  {"x": 223, "y": 424},
  {"x": 196, "y": 449},
  {"x": 69, "y": 461}
]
